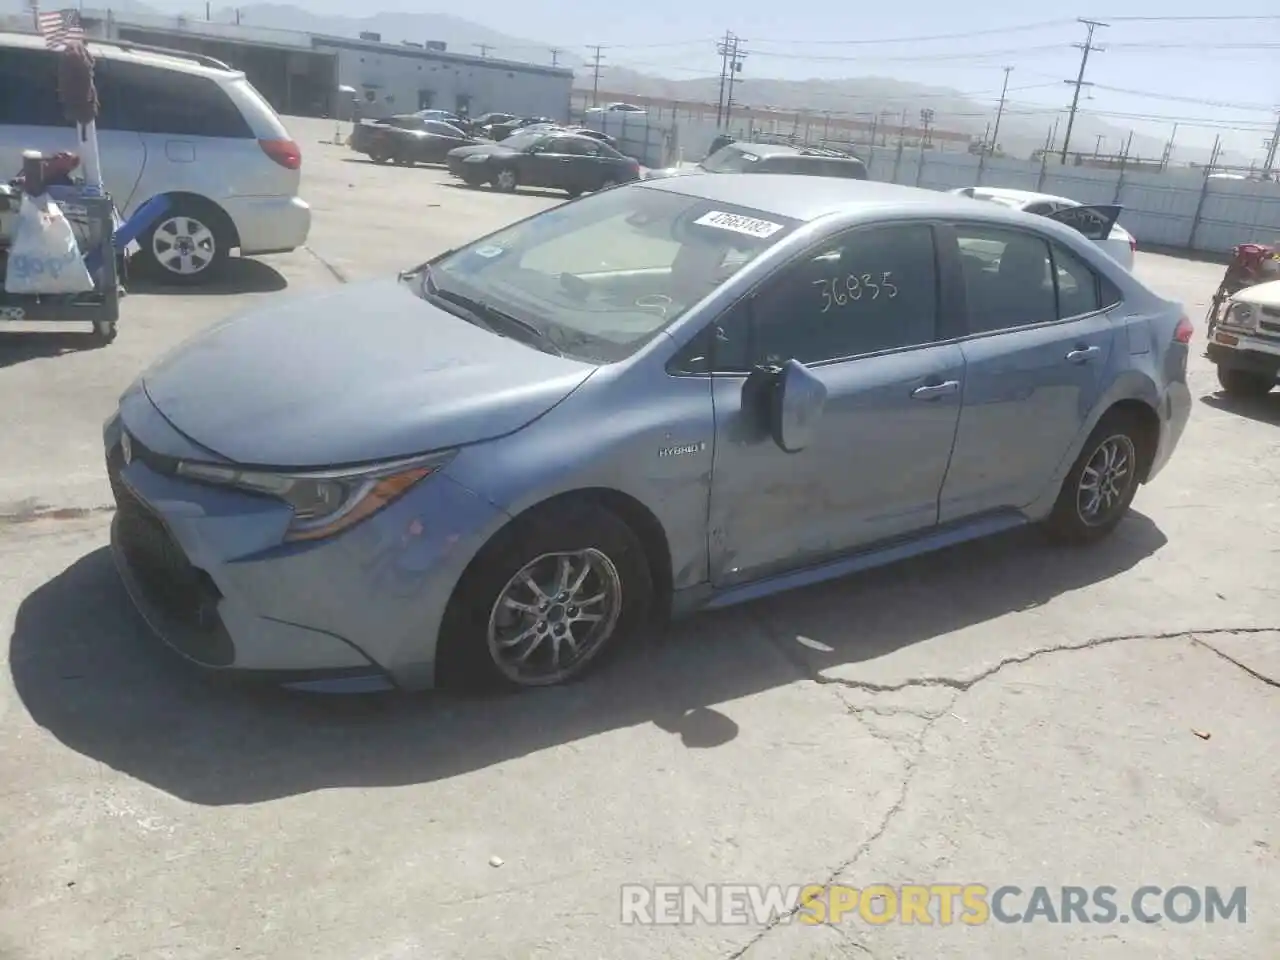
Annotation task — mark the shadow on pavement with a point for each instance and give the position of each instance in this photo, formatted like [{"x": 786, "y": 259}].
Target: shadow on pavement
[
  {"x": 242, "y": 275},
  {"x": 519, "y": 191},
  {"x": 1263, "y": 409},
  {"x": 89, "y": 672},
  {"x": 18, "y": 348}
]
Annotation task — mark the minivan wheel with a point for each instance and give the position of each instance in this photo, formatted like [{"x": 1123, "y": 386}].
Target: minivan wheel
[
  {"x": 552, "y": 596},
  {"x": 1102, "y": 483},
  {"x": 189, "y": 245},
  {"x": 1245, "y": 383}
]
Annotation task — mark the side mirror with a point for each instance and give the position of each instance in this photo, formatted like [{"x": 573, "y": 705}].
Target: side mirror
[{"x": 790, "y": 401}]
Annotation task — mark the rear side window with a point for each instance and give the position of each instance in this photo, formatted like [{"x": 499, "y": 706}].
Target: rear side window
[
  {"x": 1007, "y": 276},
  {"x": 29, "y": 89},
  {"x": 1078, "y": 285},
  {"x": 146, "y": 99}
]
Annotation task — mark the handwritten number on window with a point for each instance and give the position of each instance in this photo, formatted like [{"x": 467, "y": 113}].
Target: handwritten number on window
[{"x": 840, "y": 291}]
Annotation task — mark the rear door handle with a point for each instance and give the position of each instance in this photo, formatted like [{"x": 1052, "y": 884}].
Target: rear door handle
[
  {"x": 931, "y": 391},
  {"x": 1084, "y": 354}
]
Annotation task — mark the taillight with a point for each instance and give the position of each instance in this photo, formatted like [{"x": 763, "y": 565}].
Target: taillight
[
  {"x": 283, "y": 152},
  {"x": 1183, "y": 331}
]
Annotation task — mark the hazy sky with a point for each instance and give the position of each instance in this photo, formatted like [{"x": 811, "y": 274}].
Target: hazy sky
[{"x": 1209, "y": 75}]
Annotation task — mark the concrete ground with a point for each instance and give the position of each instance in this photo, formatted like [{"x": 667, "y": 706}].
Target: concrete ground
[{"x": 1003, "y": 713}]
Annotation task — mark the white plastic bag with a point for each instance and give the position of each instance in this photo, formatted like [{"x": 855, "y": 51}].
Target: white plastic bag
[{"x": 44, "y": 256}]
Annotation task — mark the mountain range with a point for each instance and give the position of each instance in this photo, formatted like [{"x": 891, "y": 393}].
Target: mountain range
[{"x": 1024, "y": 127}]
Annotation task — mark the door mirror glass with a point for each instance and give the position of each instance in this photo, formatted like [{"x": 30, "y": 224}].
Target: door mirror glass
[{"x": 791, "y": 400}]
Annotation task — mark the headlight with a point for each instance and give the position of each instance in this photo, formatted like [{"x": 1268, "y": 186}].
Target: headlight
[
  {"x": 324, "y": 503},
  {"x": 1241, "y": 315}
]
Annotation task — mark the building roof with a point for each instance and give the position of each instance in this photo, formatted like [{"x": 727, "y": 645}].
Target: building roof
[{"x": 420, "y": 53}]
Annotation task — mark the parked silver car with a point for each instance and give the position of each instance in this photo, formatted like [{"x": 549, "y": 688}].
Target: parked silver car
[
  {"x": 170, "y": 124},
  {"x": 671, "y": 395}
]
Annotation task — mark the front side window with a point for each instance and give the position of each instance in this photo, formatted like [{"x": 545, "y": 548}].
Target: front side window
[
  {"x": 869, "y": 290},
  {"x": 604, "y": 274},
  {"x": 1008, "y": 278}
]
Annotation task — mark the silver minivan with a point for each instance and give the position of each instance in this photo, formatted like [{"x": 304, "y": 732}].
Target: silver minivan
[{"x": 175, "y": 124}]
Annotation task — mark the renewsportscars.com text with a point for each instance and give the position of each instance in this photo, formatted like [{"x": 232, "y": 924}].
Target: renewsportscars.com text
[{"x": 939, "y": 904}]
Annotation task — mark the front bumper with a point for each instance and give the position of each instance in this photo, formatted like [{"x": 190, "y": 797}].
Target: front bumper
[
  {"x": 1241, "y": 351},
  {"x": 209, "y": 572}
]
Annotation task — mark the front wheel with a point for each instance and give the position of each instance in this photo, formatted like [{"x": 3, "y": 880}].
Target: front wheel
[
  {"x": 1102, "y": 483},
  {"x": 1245, "y": 383},
  {"x": 550, "y": 597}
]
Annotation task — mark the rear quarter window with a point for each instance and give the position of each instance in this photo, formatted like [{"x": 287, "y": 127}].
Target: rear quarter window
[{"x": 147, "y": 99}]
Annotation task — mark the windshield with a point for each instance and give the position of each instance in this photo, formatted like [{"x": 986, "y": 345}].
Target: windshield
[
  {"x": 602, "y": 275},
  {"x": 730, "y": 159},
  {"x": 523, "y": 138}
]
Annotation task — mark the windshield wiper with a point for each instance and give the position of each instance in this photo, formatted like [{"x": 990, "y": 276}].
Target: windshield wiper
[{"x": 492, "y": 317}]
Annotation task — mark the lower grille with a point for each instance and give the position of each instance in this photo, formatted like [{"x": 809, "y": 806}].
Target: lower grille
[{"x": 182, "y": 592}]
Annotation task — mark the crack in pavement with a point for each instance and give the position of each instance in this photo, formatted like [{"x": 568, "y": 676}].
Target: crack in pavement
[
  {"x": 29, "y": 513},
  {"x": 1234, "y": 662},
  {"x": 961, "y": 686},
  {"x": 333, "y": 271}
]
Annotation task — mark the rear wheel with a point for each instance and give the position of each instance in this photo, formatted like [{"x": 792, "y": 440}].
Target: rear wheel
[
  {"x": 190, "y": 244},
  {"x": 1245, "y": 383},
  {"x": 608, "y": 182},
  {"x": 1102, "y": 483},
  {"x": 551, "y": 596}
]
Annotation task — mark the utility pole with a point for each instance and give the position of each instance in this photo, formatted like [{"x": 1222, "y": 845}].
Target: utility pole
[
  {"x": 555, "y": 56},
  {"x": 722, "y": 48},
  {"x": 1168, "y": 148},
  {"x": 736, "y": 56},
  {"x": 484, "y": 48},
  {"x": 1087, "y": 47},
  {"x": 1273, "y": 146},
  {"x": 595, "y": 75},
  {"x": 926, "y": 118},
  {"x": 1004, "y": 89}
]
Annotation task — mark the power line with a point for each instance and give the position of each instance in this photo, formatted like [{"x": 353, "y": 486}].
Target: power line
[
  {"x": 595, "y": 74},
  {"x": 1222, "y": 19},
  {"x": 995, "y": 31},
  {"x": 1247, "y": 107},
  {"x": 1086, "y": 48}
]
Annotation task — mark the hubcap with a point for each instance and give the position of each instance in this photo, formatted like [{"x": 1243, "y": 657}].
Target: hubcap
[
  {"x": 554, "y": 616},
  {"x": 506, "y": 180},
  {"x": 1106, "y": 480},
  {"x": 183, "y": 245}
]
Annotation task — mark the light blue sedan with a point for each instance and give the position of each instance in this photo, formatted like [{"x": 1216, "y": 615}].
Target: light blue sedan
[{"x": 663, "y": 397}]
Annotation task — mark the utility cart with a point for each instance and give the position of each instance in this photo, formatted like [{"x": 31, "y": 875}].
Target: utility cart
[{"x": 94, "y": 221}]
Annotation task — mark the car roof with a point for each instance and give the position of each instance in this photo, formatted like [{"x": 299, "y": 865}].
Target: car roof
[
  {"x": 800, "y": 197},
  {"x": 179, "y": 60},
  {"x": 788, "y": 149}
]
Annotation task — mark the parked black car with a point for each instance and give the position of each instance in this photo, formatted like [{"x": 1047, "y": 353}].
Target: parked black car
[
  {"x": 560, "y": 161},
  {"x": 482, "y": 123},
  {"x": 500, "y": 131},
  {"x": 407, "y": 140}
]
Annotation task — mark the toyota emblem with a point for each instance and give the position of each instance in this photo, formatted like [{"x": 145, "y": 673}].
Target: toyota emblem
[{"x": 126, "y": 448}]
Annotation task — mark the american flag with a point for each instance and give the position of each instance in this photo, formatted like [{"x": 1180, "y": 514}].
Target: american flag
[{"x": 59, "y": 27}]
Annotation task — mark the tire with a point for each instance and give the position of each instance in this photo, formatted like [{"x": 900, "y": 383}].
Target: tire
[
  {"x": 378, "y": 158},
  {"x": 1244, "y": 383},
  {"x": 471, "y": 655},
  {"x": 196, "y": 223},
  {"x": 471, "y": 180},
  {"x": 574, "y": 193},
  {"x": 607, "y": 183},
  {"x": 1071, "y": 522},
  {"x": 505, "y": 180}
]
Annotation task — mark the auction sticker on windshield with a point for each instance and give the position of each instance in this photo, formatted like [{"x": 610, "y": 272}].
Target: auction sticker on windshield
[{"x": 750, "y": 226}]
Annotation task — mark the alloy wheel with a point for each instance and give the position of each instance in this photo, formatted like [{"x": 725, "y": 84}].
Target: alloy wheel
[
  {"x": 554, "y": 616},
  {"x": 506, "y": 180},
  {"x": 1106, "y": 480},
  {"x": 183, "y": 245}
]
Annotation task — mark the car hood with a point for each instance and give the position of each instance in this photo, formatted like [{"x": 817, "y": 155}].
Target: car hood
[
  {"x": 370, "y": 372},
  {"x": 1260, "y": 295},
  {"x": 672, "y": 172}
]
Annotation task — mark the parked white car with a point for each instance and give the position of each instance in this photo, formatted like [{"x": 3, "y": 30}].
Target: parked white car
[
  {"x": 175, "y": 124},
  {"x": 1245, "y": 345},
  {"x": 1116, "y": 241}
]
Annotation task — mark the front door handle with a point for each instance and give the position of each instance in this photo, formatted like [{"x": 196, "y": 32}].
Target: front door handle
[
  {"x": 931, "y": 391},
  {"x": 1083, "y": 354}
]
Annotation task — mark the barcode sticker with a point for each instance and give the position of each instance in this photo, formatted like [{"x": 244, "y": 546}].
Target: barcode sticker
[{"x": 750, "y": 226}]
